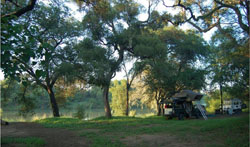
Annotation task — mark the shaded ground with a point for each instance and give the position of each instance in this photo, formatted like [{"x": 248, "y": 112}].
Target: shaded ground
[
  {"x": 160, "y": 140},
  {"x": 53, "y": 137}
]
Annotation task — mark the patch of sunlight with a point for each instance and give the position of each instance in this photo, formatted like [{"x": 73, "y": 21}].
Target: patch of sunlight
[
  {"x": 17, "y": 119},
  {"x": 146, "y": 115},
  {"x": 1, "y": 111},
  {"x": 38, "y": 117}
]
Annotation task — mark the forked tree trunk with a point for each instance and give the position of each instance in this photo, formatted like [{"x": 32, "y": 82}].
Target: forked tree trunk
[
  {"x": 106, "y": 101},
  {"x": 53, "y": 102}
]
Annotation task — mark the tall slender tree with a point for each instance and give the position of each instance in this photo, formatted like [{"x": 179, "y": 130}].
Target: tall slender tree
[{"x": 113, "y": 25}]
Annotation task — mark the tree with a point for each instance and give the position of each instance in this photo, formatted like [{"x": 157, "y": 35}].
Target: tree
[
  {"x": 19, "y": 95},
  {"x": 36, "y": 50},
  {"x": 93, "y": 65},
  {"x": 112, "y": 25},
  {"x": 172, "y": 68},
  {"x": 230, "y": 18},
  {"x": 229, "y": 65},
  {"x": 130, "y": 76}
]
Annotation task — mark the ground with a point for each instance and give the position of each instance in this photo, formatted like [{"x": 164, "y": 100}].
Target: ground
[
  {"x": 65, "y": 138},
  {"x": 134, "y": 132},
  {"x": 54, "y": 137}
]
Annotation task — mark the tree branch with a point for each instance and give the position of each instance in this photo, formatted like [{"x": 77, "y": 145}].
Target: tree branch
[
  {"x": 30, "y": 71},
  {"x": 237, "y": 11},
  {"x": 22, "y": 11},
  {"x": 203, "y": 16}
]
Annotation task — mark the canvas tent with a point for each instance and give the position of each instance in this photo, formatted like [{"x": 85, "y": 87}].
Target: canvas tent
[{"x": 188, "y": 95}]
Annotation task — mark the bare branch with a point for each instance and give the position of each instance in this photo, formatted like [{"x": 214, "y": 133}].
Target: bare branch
[
  {"x": 237, "y": 11},
  {"x": 206, "y": 29}
]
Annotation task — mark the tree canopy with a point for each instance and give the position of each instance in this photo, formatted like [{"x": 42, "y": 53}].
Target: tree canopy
[{"x": 43, "y": 44}]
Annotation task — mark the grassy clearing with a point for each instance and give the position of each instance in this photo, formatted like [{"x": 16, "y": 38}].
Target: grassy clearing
[
  {"x": 229, "y": 131},
  {"x": 27, "y": 141}
]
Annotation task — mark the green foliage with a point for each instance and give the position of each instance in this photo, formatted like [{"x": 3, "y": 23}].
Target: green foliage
[
  {"x": 185, "y": 47},
  {"x": 35, "y": 48},
  {"x": 80, "y": 112},
  {"x": 172, "y": 67},
  {"x": 64, "y": 90},
  {"x": 149, "y": 46},
  {"x": 91, "y": 98},
  {"x": 27, "y": 141},
  {"x": 25, "y": 100},
  {"x": 118, "y": 101},
  {"x": 229, "y": 64},
  {"x": 9, "y": 90},
  {"x": 132, "y": 113},
  {"x": 93, "y": 62},
  {"x": 213, "y": 100},
  {"x": 212, "y": 105},
  {"x": 22, "y": 95}
]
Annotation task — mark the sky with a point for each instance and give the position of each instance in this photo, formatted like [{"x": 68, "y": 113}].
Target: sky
[{"x": 121, "y": 75}]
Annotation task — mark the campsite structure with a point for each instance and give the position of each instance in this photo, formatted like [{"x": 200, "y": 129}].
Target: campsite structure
[
  {"x": 181, "y": 105},
  {"x": 233, "y": 106}
]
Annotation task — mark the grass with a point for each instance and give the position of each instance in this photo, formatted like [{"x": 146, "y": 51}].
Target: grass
[
  {"x": 229, "y": 131},
  {"x": 27, "y": 141}
]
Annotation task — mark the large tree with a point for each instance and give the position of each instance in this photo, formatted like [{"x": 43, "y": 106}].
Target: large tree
[
  {"x": 174, "y": 68},
  {"x": 113, "y": 26},
  {"x": 35, "y": 48},
  {"x": 229, "y": 64}
]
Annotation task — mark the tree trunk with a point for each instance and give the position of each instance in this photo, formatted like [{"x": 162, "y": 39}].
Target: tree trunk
[
  {"x": 106, "y": 101},
  {"x": 158, "y": 109},
  {"x": 53, "y": 102},
  {"x": 127, "y": 102},
  {"x": 162, "y": 110},
  {"x": 221, "y": 99}
]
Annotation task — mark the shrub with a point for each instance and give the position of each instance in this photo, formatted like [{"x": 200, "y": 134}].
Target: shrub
[{"x": 80, "y": 112}]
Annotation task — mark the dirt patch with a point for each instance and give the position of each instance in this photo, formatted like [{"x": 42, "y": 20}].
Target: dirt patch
[
  {"x": 159, "y": 140},
  {"x": 151, "y": 125},
  {"x": 53, "y": 136}
]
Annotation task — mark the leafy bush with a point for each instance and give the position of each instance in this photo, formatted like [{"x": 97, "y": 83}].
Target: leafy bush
[{"x": 80, "y": 112}]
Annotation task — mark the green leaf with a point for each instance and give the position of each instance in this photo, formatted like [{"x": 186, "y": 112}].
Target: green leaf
[
  {"x": 39, "y": 73},
  {"x": 25, "y": 83}
]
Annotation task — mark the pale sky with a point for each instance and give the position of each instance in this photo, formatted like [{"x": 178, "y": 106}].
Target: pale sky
[{"x": 160, "y": 8}]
